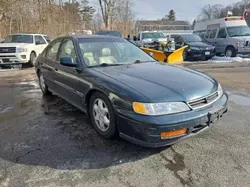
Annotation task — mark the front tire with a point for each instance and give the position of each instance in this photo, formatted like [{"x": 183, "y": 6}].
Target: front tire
[
  {"x": 32, "y": 59},
  {"x": 102, "y": 115},
  {"x": 42, "y": 84},
  {"x": 230, "y": 52}
]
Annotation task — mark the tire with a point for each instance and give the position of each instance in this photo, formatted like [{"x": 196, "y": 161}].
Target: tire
[
  {"x": 230, "y": 52},
  {"x": 44, "y": 88},
  {"x": 184, "y": 55},
  {"x": 32, "y": 59},
  {"x": 100, "y": 109}
]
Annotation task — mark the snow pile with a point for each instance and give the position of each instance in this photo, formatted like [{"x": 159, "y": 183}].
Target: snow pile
[{"x": 218, "y": 59}]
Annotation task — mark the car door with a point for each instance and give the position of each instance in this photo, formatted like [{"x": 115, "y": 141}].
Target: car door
[
  {"x": 221, "y": 41},
  {"x": 212, "y": 35},
  {"x": 40, "y": 44},
  {"x": 68, "y": 77},
  {"x": 49, "y": 63}
]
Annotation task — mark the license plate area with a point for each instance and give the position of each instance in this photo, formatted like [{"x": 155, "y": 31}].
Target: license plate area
[
  {"x": 207, "y": 53},
  {"x": 214, "y": 116}
]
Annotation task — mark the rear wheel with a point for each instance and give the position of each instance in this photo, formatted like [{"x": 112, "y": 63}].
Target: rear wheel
[
  {"x": 230, "y": 52},
  {"x": 32, "y": 59},
  {"x": 102, "y": 115},
  {"x": 42, "y": 84}
]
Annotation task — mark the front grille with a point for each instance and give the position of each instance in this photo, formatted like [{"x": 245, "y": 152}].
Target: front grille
[
  {"x": 203, "y": 102},
  {"x": 7, "y": 49},
  {"x": 9, "y": 56}
]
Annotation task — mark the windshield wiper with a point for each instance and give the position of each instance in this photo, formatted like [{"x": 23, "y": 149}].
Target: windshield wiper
[
  {"x": 138, "y": 61},
  {"x": 106, "y": 65}
]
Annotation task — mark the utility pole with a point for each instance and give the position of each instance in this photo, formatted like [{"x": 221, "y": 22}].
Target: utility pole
[{"x": 126, "y": 17}]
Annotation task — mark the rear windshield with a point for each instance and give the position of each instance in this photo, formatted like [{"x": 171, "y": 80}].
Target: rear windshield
[
  {"x": 19, "y": 39},
  {"x": 109, "y": 33},
  {"x": 191, "y": 38}
]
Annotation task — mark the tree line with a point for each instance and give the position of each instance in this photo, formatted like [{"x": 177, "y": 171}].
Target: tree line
[
  {"x": 60, "y": 17},
  {"x": 216, "y": 11}
]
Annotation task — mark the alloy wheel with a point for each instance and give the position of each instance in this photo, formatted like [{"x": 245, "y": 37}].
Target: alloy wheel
[{"x": 101, "y": 114}]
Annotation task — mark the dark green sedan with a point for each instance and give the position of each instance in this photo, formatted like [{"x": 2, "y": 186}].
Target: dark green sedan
[{"x": 126, "y": 92}]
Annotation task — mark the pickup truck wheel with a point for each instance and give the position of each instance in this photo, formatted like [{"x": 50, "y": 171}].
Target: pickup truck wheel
[
  {"x": 230, "y": 52},
  {"x": 42, "y": 84},
  {"x": 32, "y": 59}
]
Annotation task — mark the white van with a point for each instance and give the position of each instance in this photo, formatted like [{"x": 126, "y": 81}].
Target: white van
[{"x": 230, "y": 35}]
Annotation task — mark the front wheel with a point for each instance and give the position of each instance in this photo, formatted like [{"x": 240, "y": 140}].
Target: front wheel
[
  {"x": 32, "y": 59},
  {"x": 230, "y": 52},
  {"x": 102, "y": 115}
]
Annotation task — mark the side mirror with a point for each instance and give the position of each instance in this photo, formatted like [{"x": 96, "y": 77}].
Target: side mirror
[{"x": 67, "y": 61}]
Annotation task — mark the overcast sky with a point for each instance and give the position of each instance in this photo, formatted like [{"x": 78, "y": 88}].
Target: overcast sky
[{"x": 185, "y": 9}]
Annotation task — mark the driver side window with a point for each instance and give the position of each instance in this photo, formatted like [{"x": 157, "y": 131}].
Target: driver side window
[{"x": 67, "y": 50}]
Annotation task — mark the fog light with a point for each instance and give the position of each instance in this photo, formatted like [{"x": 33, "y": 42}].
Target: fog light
[
  {"x": 174, "y": 133},
  {"x": 23, "y": 56}
]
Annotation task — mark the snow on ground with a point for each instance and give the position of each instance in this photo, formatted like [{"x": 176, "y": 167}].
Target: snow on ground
[{"x": 218, "y": 59}]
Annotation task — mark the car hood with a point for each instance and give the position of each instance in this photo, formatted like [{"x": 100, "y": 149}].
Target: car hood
[
  {"x": 14, "y": 44},
  {"x": 243, "y": 38},
  {"x": 162, "y": 83},
  {"x": 199, "y": 44}
]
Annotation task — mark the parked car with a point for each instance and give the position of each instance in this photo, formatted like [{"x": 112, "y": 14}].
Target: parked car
[
  {"x": 22, "y": 48},
  {"x": 125, "y": 91},
  {"x": 109, "y": 33},
  {"x": 230, "y": 35},
  {"x": 198, "y": 49}
]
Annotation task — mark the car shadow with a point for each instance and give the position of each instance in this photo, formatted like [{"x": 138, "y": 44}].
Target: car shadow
[{"x": 47, "y": 131}]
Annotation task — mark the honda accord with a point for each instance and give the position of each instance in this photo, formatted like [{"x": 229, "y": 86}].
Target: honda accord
[{"x": 126, "y": 92}]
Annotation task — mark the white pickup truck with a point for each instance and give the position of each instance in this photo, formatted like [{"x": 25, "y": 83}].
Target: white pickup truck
[{"x": 22, "y": 48}]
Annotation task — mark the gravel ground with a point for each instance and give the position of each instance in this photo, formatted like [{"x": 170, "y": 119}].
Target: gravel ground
[{"x": 48, "y": 142}]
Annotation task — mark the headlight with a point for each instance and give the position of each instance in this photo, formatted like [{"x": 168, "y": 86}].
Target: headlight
[
  {"x": 220, "y": 90},
  {"x": 20, "y": 50},
  {"x": 240, "y": 44},
  {"x": 157, "y": 109},
  {"x": 195, "y": 48}
]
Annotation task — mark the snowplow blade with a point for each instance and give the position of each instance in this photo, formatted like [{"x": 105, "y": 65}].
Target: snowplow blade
[{"x": 175, "y": 57}]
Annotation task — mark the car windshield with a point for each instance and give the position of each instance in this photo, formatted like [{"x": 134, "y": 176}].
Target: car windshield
[
  {"x": 111, "y": 51},
  {"x": 191, "y": 38},
  {"x": 238, "y": 31},
  {"x": 154, "y": 35},
  {"x": 109, "y": 33},
  {"x": 19, "y": 39}
]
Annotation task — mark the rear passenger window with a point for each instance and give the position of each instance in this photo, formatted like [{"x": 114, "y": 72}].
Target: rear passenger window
[
  {"x": 222, "y": 33},
  {"x": 213, "y": 33}
]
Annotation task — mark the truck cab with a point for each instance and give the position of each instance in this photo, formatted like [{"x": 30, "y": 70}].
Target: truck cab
[{"x": 149, "y": 37}]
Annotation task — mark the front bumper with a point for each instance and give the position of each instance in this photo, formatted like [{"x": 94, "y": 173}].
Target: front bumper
[
  {"x": 146, "y": 131},
  {"x": 243, "y": 50},
  {"x": 201, "y": 54},
  {"x": 14, "y": 58}
]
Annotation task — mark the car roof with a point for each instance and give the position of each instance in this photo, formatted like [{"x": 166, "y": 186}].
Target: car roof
[
  {"x": 94, "y": 37},
  {"x": 28, "y": 34}
]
